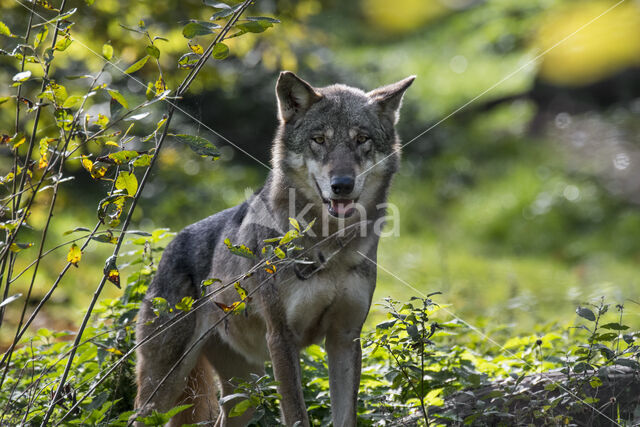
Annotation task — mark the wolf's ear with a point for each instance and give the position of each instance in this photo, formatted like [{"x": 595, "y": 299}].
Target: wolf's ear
[
  {"x": 389, "y": 98},
  {"x": 295, "y": 96}
]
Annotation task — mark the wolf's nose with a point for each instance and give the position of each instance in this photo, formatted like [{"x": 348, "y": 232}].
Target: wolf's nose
[{"x": 342, "y": 184}]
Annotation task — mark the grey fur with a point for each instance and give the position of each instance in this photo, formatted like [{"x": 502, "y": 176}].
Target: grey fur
[{"x": 297, "y": 306}]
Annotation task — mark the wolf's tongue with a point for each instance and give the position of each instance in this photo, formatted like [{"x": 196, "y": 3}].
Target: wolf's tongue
[{"x": 341, "y": 207}]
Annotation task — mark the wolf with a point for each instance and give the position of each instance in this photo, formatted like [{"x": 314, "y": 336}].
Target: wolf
[{"x": 333, "y": 158}]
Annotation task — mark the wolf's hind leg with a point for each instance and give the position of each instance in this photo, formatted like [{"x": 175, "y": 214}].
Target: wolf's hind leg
[
  {"x": 158, "y": 356},
  {"x": 228, "y": 364}
]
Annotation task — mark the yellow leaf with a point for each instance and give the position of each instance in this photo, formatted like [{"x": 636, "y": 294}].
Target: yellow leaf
[
  {"x": 74, "y": 255},
  {"x": 114, "y": 276},
  {"x": 114, "y": 351},
  {"x": 44, "y": 151},
  {"x": 87, "y": 163},
  {"x": 19, "y": 143},
  {"x": 196, "y": 48},
  {"x": 160, "y": 86},
  {"x": 102, "y": 121},
  {"x": 17, "y": 247}
]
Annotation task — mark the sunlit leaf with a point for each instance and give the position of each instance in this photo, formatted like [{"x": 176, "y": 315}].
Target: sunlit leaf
[
  {"x": 17, "y": 247},
  {"x": 294, "y": 222},
  {"x": 111, "y": 271},
  {"x": 142, "y": 161},
  {"x": 196, "y": 48},
  {"x": 279, "y": 253},
  {"x": 74, "y": 255},
  {"x": 153, "y": 51},
  {"x": 114, "y": 350},
  {"x": 185, "y": 304},
  {"x": 41, "y": 36},
  {"x": 136, "y": 66},
  {"x": 225, "y": 12},
  {"x": 120, "y": 157},
  {"x": 217, "y": 4},
  {"x": 21, "y": 77},
  {"x": 44, "y": 152},
  {"x": 107, "y": 51},
  {"x": 127, "y": 181},
  {"x": 188, "y": 60},
  {"x": 220, "y": 51},
  {"x": 240, "y": 250},
  {"x": 75, "y": 230},
  {"x": 72, "y": 101},
  {"x": 102, "y": 121},
  {"x": 62, "y": 44},
  {"x": 5, "y": 31},
  {"x": 137, "y": 117},
  {"x": 118, "y": 97},
  {"x": 9, "y": 300},
  {"x": 159, "y": 85},
  {"x": 160, "y": 306}
]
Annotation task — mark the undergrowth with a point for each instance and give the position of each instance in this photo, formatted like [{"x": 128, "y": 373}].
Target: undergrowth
[{"x": 416, "y": 365}]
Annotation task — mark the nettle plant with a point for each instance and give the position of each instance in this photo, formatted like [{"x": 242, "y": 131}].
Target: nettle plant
[{"x": 41, "y": 377}]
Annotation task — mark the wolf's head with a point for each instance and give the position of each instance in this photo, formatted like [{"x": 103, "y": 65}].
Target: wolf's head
[{"x": 337, "y": 145}]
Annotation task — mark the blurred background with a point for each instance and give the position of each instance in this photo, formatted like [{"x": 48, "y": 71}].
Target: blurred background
[{"x": 519, "y": 192}]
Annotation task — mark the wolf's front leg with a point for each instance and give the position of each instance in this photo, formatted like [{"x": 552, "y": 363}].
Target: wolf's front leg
[
  {"x": 345, "y": 360},
  {"x": 285, "y": 358}
]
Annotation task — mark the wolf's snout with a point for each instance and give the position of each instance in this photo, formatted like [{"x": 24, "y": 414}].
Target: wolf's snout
[{"x": 342, "y": 184}]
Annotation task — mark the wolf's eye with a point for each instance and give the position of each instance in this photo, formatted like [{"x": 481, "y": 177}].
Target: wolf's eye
[
  {"x": 362, "y": 139},
  {"x": 318, "y": 139}
]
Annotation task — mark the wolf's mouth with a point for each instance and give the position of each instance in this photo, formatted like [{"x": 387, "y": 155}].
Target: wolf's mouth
[
  {"x": 341, "y": 208},
  {"x": 338, "y": 208}
]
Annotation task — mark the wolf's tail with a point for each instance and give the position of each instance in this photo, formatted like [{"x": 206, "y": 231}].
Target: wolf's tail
[{"x": 201, "y": 392}]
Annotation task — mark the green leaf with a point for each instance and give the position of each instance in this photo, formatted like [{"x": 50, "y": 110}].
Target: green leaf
[
  {"x": 240, "y": 250},
  {"x": 118, "y": 97},
  {"x": 72, "y": 101},
  {"x": 42, "y": 34},
  {"x": 142, "y": 161},
  {"x": 220, "y": 51},
  {"x": 225, "y": 12},
  {"x": 294, "y": 222},
  {"x": 240, "y": 408},
  {"x": 153, "y": 51},
  {"x": 63, "y": 44},
  {"x": 199, "y": 145},
  {"x": 254, "y": 26},
  {"x": 107, "y": 51},
  {"x": 279, "y": 253},
  {"x": 136, "y": 66},
  {"x": 127, "y": 181},
  {"x": 123, "y": 156},
  {"x": 185, "y": 304},
  {"x": 188, "y": 60},
  {"x": 586, "y": 313},
  {"x": 263, "y": 18},
  {"x": 5, "y": 31},
  {"x": 159, "y": 419},
  {"x": 199, "y": 28},
  {"x": 615, "y": 327},
  {"x": 217, "y": 4}
]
